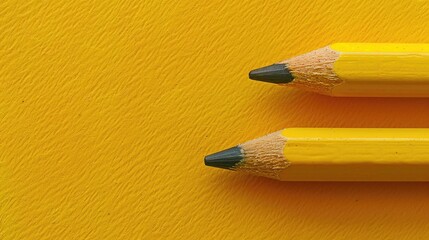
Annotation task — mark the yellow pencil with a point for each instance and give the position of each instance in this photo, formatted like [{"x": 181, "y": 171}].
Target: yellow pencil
[
  {"x": 332, "y": 154},
  {"x": 355, "y": 69}
]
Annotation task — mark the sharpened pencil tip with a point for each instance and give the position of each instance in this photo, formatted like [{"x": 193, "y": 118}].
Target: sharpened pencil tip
[
  {"x": 224, "y": 159},
  {"x": 276, "y": 73}
]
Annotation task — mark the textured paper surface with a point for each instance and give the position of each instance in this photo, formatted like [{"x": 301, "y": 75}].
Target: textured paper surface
[{"x": 108, "y": 107}]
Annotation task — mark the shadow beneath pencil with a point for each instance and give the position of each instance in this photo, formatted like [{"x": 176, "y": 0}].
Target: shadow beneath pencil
[
  {"x": 352, "y": 201},
  {"x": 314, "y": 110}
]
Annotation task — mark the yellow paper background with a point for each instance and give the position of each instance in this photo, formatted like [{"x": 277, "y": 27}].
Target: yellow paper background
[{"x": 108, "y": 107}]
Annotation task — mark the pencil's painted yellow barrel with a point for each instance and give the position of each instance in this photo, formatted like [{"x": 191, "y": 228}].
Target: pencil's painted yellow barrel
[
  {"x": 379, "y": 69},
  {"x": 326, "y": 154}
]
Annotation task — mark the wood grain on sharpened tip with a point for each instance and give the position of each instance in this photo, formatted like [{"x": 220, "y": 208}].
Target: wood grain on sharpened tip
[
  {"x": 356, "y": 69},
  {"x": 333, "y": 154}
]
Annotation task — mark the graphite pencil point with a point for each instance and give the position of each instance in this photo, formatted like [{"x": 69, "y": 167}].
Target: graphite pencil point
[
  {"x": 276, "y": 73},
  {"x": 224, "y": 159}
]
